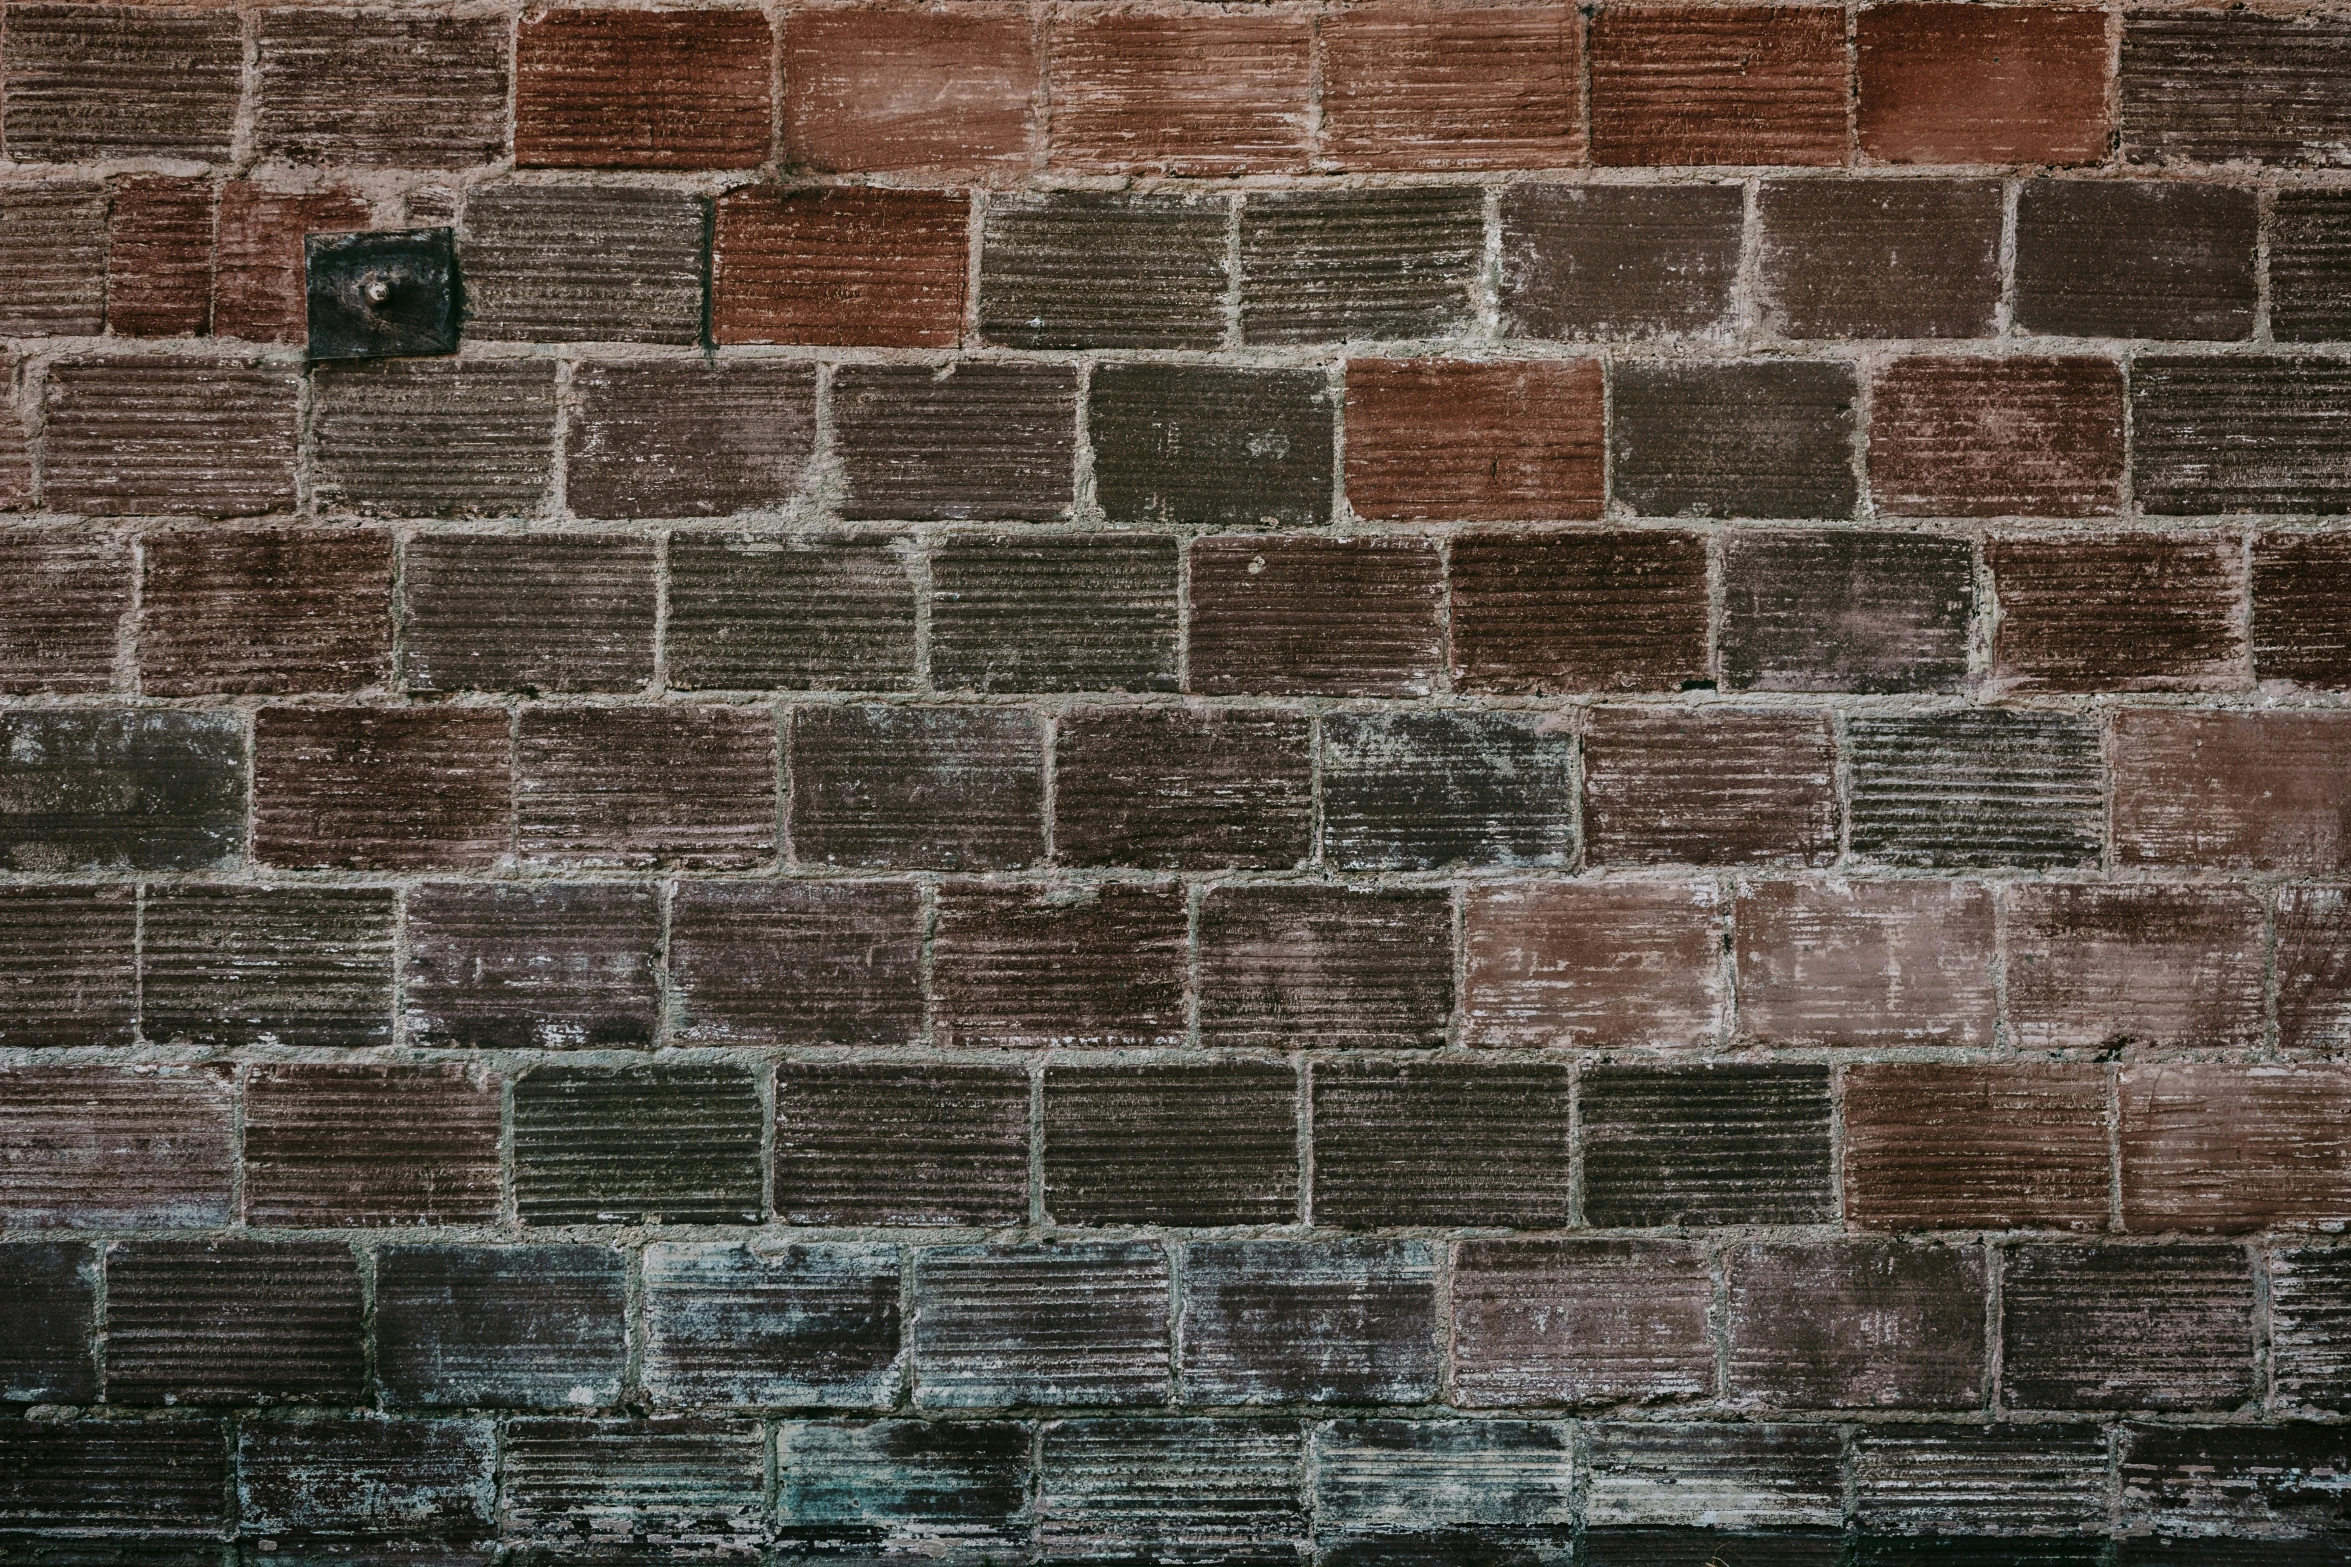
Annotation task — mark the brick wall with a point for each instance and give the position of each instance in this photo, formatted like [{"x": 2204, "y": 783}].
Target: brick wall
[{"x": 1469, "y": 784}]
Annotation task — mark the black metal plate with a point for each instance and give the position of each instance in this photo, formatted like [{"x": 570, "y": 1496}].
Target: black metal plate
[{"x": 388, "y": 291}]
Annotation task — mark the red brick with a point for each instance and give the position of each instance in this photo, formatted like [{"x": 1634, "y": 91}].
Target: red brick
[
  {"x": 98, "y": 1148},
  {"x": 1202, "y": 92},
  {"x": 1997, "y": 437},
  {"x": 1412, "y": 86},
  {"x": 170, "y": 437},
  {"x": 1740, "y": 84},
  {"x": 334, "y": 1146},
  {"x": 1602, "y": 965},
  {"x": 597, "y": 89},
  {"x": 533, "y": 612},
  {"x": 1955, "y": 83},
  {"x": 381, "y": 788},
  {"x": 63, "y": 593},
  {"x": 368, "y": 88},
  {"x": 2302, "y": 609},
  {"x": 2101, "y": 966},
  {"x": 1958, "y": 1147},
  {"x": 874, "y": 89},
  {"x": 918, "y": 788},
  {"x": 646, "y": 786},
  {"x": 1873, "y": 965},
  {"x": 1709, "y": 786},
  {"x": 258, "y": 289},
  {"x": 1857, "y": 1324},
  {"x": 1434, "y": 440},
  {"x": 2119, "y": 612},
  {"x": 1315, "y": 617},
  {"x": 53, "y": 252},
  {"x": 2247, "y": 791},
  {"x": 159, "y": 257},
  {"x": 840, "y": 267},
  {"x": 1581, "y": 1322},
  {"x": 798, "y": 963},
  {"x": 2314, "y": 969},
  {"x": 265, "y": 610},
  {"x": 2227, "y": 1148},
  {"x": 1011, "y": 967},
  {"x": 663, "y": 438},
  {"x": 1584, "y": 611}
]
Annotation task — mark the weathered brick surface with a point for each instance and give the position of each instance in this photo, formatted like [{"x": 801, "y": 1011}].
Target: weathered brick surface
[
  {"x": 1997, "y": 437},
  {"x": 1409, "y": 86},
  {"x": 209, "y": 1322},
  {"x": 839, "y": 266},
  {"x": 638, "y": 1145},
  {"x": 1619, "y": 261},
  {"x": 665, "y": 438},
  {"x": 1709, "y": 787},
  {"x": 68, "y": 965},
  {"x": 1103, "y": 269},
  {"x": 988, "y": 442},
  {"x": 2309, "y": 261},
  {"x": 909, "y": 1485},
  {"x": 330, "y": 1146},
  {"x": 2144, "y": 964},
  {"x": 53, "y": 240},
  {"x": 1306, "y": 617},
  {"x": 1463, "y": 441},
  {"x": 1891, "y": 258},
  {"x": 1944, "y": 83},
  {"x": 265, "y": 611},
  {"x": 552, "y": 966},
  {"x": 801, "y": 612},
  {"x": 110, "y": 1149},
  {"x": 375, "y": 88},
  {"x": 459, "y": 1325},
  {"x": 2240, "y": 434},
  {"x": 159, "y": 257},
  {"x": 1087, "y": 612},
  {"x": 2244, "y": 790},
  {"x": 2219, "y": 87},
  {"x": 1347, "y": 1322},
  {"x": 1979, "y": 1147},
  {"x": 1583, "y": 611},
  {"x": 490, "y": 425},
  {"x": 1105, "y": 967},
  {"x": 169, "y": 437},
  {"x": 643, "y": 89},
  {"x": 918, "y": 1144},
  {"x": 905, "y": 90},
  {"x": 1766, "y": 439},
  {"x": 144, "y": 791},
  {"x": 543, "y": 612},
  {"x": 1501, "y": 1159},
  {"x": 804, "y": 964},
  {"x": 1183, "y": 788},
  {"x": 1718, "y": 84},
  {"x": 1318, "y": 965},
  {"x": 1207, "y": 445},
  {"x": 643, "y": 786},
  {"x": 2302, "y": 609},
  {"x": 1033, "y": 1324},
  {"x": 1598, "y": 963},
  {"x": 2229, "y": 1148},
  {"x": 918, "y": 788},
  {"x": 63, "y": 595},
  {"x": 1178, "y": 95},
  {"x": 2313, "y": 968},
  {"x": 583, "y": 263},
  {"x": 293, "y": 965},
  {"x": 1172, "y": 1144},
  {"x": 1580, "y": 1322},
  {"x": 1321, "y": 266},
  {"x": 2117, "y": 1327},
  {"x": 1963, "y": 1480},
  {"x": 1798, "y": 1337},
  {"x": 1841, "y": 610},
  {"x": 1984, "y": 787},
  {"x": 257, "y": 261},
  {"x": 2119, "y": 612},
  {"x": 2098, "y": 259},
  {"x": 1705, "y": 1145},
  {"x": 381, "y": 789},
  {"x": 823, "y": 1321},
  {"x": 1423, "y": 791},
  {"x": 91, "y": 82}
]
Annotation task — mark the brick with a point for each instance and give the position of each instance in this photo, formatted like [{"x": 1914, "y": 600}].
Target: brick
[
  {"x": 1212, "y": 445},
  {"x": 797, "y": 611},
  {"x": 489, "y": 423},
  {"x": 1619, "y": 260},
  {"x": 1183, "y": 788},
  {"x": 1102, "y": 269},
  {"x": 141, "y": 791},
  {"x": 259, "y": 287},
  {"x": 1874, "y": 965},
  {"x": 158, "y": 1481},
  {"x": 1197, "y": 94},
  {"x": 2115, "y": 1327},
  {"x": 1761, "y": 439},
  {"x": 1333, "y": 265},
  {"x": 1284, "y": 967},
  {"x": 290, "y": 965},
  {"x": 1174, "y": 1144},
  {"x": 1879, "y": 258},
  {"x": 1094, "y": 966},
  {"x": 68, "y": 966},
  {"x": 373, "y": 1479},
  {"x": 2099, "y": 258},
  {"x": 53, "y": 247},
  {"x": 2313, "y": 959},
  {"x": 1281, "y": 616},
  {"x": 1857, "y": 1324},
  {"x": 1441, "y": 1143},
  {"x": 1728, "y": 1476},
  {"x": 1979, "y": 787},
  {"x": 88, "y": 83},
  {"x": 1434, "y": 440},
  {"x": 265, "y": 611},
  {"x": 169, "y": 437},
  {"x": 16, "y": 452},
  {"x": 331, "y": 1146},
  {"x": 916, "y": 1487},
  {"x": 1382, "y": 1483},
  {"x": 685, "y": 1486},
  {"x": 488, "y": 1326},
  {"x": 1967, "y": 437},
  {"x": 973, "y": 442},
  {"x": 2119, "y": 612},
  {"x": 1415, "y": 791},
  {"x": 896, "y": 91},
  {"x": 1104, "y": 1493},
  {"x": 2102, "y": 967},
  {"x": 919, "y": 788},
  {"x": 902, "y": 1143},
  {"x": 1040, "y": 1324},
  {"x": 538, "y": 612},
  {"x": 836, "y": 267},
  {"x": 646, "y": 786},
  {"x": 2310, "y": 1326},
  {"x": 2054, "y": 1550},
  {"x": 598, "y": 89},
  {"x": 2240, "y": 434},
  {"x": 1711, "y": 786},
  {"x": 2226, "y": 1148},
  {"x": 2302, "y": 609},
  {"x": 1081, "y": 612},
  {"x": 232, "y": 1321},
  {"x": 159, "y": 257},
  {"x": 1718, "y": 84},
  {"x": 1941, "y": 83},
  {"x": 1577, "y": 1322},
  {"x": 1350, "y": 1322},
  {"x": 2240, "y": 1481},
  {"x": 49, "y": 1312},
  {"x": 1982, "y": 1480},
  {"x": 1550, "y": 613},
  {"x": 669, "y": 438},
  {"x": 1412, "y": 86},
  {"x": 95, "y": 1149},
  {"x": 583, "y": 263},
  {"x": 546, "y": 967},
  {"x": 837, "y": 963},
  {"x": 2259, "y": 791},
  {"x": 2222, "y": 87},
  {"x": 414, "y": 90},
  {"x": 381, "y": 789},
  {"x": 1845, "y": 610},
  {"x": 1604, "y": 964},
  {"x": 1705, "y": 1145},
  {"x": 640, "y": 1145},
  {"x": 2310, "y": 266}
]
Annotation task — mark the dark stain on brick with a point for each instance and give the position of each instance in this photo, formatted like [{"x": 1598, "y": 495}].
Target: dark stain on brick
[
  {"x": 668, "y": 438},
  {"x": 977, "y": 442},
  {"x": 223, "y": 1321},
  {"x": 956, "y": 1488},
  {"x": 2119, "y": 1327},
  {"x": 289, "y": 965},
  {"x": 1350, "y": 1322},
  {"x": 1175, "y": 1144},
  {"x": 1315, "y": 617},
  {"x": 1040, "y": 1324},
  {"x": 548, "y": 967},
  {"x": 473, "y": 1325},
  {"x": 546, "y": 612},
  {"x": 2302, "y": 609},
  {"x": 1983, "y": 787},
  {"x": 2310, "y": 1326},
  {"x": 726, "y": 1323},
  {"x": 912, "y": 1143},
  {"x": 2241, "y": 433},
  {"x": 637, "y": 787},
  {"x": 1444, "y": 1143},
  {"x": 2222, "y": 87},
  {"x": 68, "y": 966},
  {"x": 1993, "y": 1147},
  {"x": 115, "y": 1483},
  {"x": 1415, "y": 791},
  {"x": 1989, "y": 1480},
  {"x": 48, "y": 1322},
  {"x": 1706, "y": 1145},
  {"x": 1332, "y": 265},
  {"x": 1183, "y": 788},
  {"x": 1846, "y": 611},
  {"x": 680, "y": 1487},
  {"x": 1765, "y": 439},
  {"x": 1502, "y": 1485},
  {"x": 1093, "y": 612},
  {"x": 2119, "y": 612},
  {"x": 1282, "y": 967},
  {"x": 797, "y": 963},
  {"x": 2310, "y": 266},
  {"x": 2234, "y": 1480},
  {"x": 638, "y": 1145},
  {"x": 1104, "y": 269},
  {"x": 1212, "y": 445},
  {"x": 420, "y": 91},
  {"x": 366, "y": 1480}
]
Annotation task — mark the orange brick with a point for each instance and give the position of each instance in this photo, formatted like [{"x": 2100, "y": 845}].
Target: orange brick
[
  {"x": 257, "y": 284},
  {"x": 1451, "y": 440},
  {"x": 1959, "y": 83},
  {"x": 643, "y": 90},
  {"x": 1715, "y": 84},
  {"x": 874, "y": 89},
  {"x": 1409, "y": 86},
  {"x": 159, "y": 257},
  {"x": 840, "y": 267},
  {"x": 1199, "y": 93}
]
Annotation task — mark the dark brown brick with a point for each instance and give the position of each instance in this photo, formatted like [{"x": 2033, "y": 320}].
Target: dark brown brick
[
  {"x": 2119, "y": 612},
  {"x": 1441, "y": 1143},
  {"x": 268, "y": 965},
  {"x": 1197, "y": 94},
  {"x": 1416, "y": 791},
  {"x": 1705, "y": 1145},
  {"x": 1595, "y": 963},
  {"x": 598, "y": 89},
  {"x": 1080, "y": 612},
  {"x": 265, "y": 611},
  {"x": 48, "y": 1323},
  {"x": 2100, "y": 258},
  {"x": 1857, "y": 1324},
  {"x": 87, "y": 83},
  {"x": 259, "y": 290},
  {"x": 978, "y": 442},
  {"x": 1413, "y": 86},
  {"x": 2313, "y": 958},
  {"x": 1953, "y": 83},
  {"x": 1503, "y": 1483},
  {"x": 1102, "y": 966},
  {"x": 909, "y": 1485},
  {"x": 2310, "y": 1326},
  {"x": 232, "y": 1321},
  {"x": 2126, "y": 1327},
  {"x": 1880, "y": 258},
  {"x": 1968, "y": 437},
  {"x": 1437, "y": 440},
  {"x": 728, "y": 1325},
  {"x": 2226, "y": 86},
  {"x": 1587, "y": 611},
  {"x": 913, "y": 1143},
  {"x": 1183, "y": 788},
  {"x": 2302, "y": 609},
  {"x": 898, "y": 90},
  {"x": 797, "y": 963},
  {"x": 583, "y": 263},
  {"x": 1040, "y": 1324},
  {"x": 1845, "y": 610},
  {"x": 646, "y": 786},
  {"x": 546, "y": 967},
  {"x": 920, "y": 788},
  {"x": 1333, "y": 265},
  {"x": 2255, "y": 790},
  {"x": 1718, "y": 84},
  {"x": 334, "y": 1146},
  {"x": 1970, "y": 1480},
  {"x": 1711, "y": 786},
  {"x": 490, "y": 425},
  {"x": 638, "y": 1145},
  {"x": 2310, "y": 266},
  {"x": 1733, "y": 1477},
  {"x": 2240, "y": 433},
  {"x": 53, "y": 249},
  {"x": 529, "y": 612},
  {"x": 68, "y": 966},
  {"x": 1103, "y": 269},
  {"x": 697, "y": 1485},
  {"x": 16, "y": 451},
  {"x": 1619, "y": 260},
  {"x": 1580, "y": 1322},
  {"x": 381, "y": 788},
  {"x": 484, "y": 1326},
  {"x": 1764, "y": 439},
  {"x": 1330, "y": 1322},
  {"x": 142, "y": 791},
  {"x": 2228, "y": 1148},
  {"x": 418, "y": 90},
  {"x": 1174, "y": 1144},
  {"x": 1319, "y": 966},
  {"x": 1103, "y": 1492},
  {"x": 115, "y": 1483},
  {"x": 841, "y": 266},
  {"x": 360, "y": 1482},
  {"x": 159, "y": 257},
  {"x": 1869, "y": 964},
  {"x": 2275, "y": 1490},
  {"x": 797, "y": 611},
  {"x": 1315, "y": 617},
  {"x": 93, "y": 1148},
  {"x": 1975, "y": 787},
  {"x": 1211, "y": 444},
  {"x": 169, "y": 437},
  {"x": 680, "y": 438}
]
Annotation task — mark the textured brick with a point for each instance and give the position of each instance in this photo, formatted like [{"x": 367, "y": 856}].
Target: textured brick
[
  {"x": 1765, "y": 439},
  {"x": 891, "y": 91},
  {"x": 922, "y": 788},
  {"x": 1197, "y": 94},
  {"x": 265, "y": 611},
  {"x": 803, "y": 612},
  {"x": 259, "y": 290},
  {"x": 490, "y": 425},
  {"x": 538, "y": 612},
  {"x": 1881, "y": 258},
  {"x": 49, "y": 1317},
  {"x": 1175, "y": 1144},
  {"x": 2106, "y": 258},
  {"x": 468, "y": 1325},
  {"x": 1415, "y": 791},
  {"x": 2116, "y": 1327},
  {"x": 1982, "y": 1480},
  {"x": 142, "y": 791},
  {"x": 2313, "y": 961},
  {"x": 1213, "y": 445},
  {"x": 902, "y": 1143},
  {"x": 2119, "y": 612},
  {"x": 1099, "y": 966},
  {"x": 677, "y": 438},
  {"x": 1040, "y": 1324},
  {"x": 844, "y": 266},
  {"x": 2302, "y": 609},
  {"x": 161, "y": 1481},
  {"x": 373, "y": 1479},
  {"x": 2225, "y": 87},
  {"x": 416, "y": 90},
  {"x": 289, "y": 965},
  {"x": 1718, "y": 84},
  {"x": 1580, "y": 1322},
  {"x": 1315, "y": 617},
  {"x": 1183, "y": 788},
  {"x": 68, "y": 966},
  {"x": 224, "y": 1320},
  {"x": 380, "y": 789},
  {"x": 88, "y": 82},
  {"x": 1867, "y": 964},
  {"x": 1705, "y": 1145},
  {"x": 1434, "y": 440},
  {"x": 1081, "y": 612},
  {"x": 2237, "y": 1480},
  {"x": 2310, "y": 265},
  {"x": 547, "y": 967},
  {"x": 1996, "y": 438},
  {"x": 956, "y": 1489},
  {"x": 1845, "y": 611},
  {"x": 643, "y": 89},
  {"x": 1979, "y": 787},
  {"x": 1384, "y": 1484},
  {"x": 91, "y": 1149},
  {"x": 159, "y": 257},
  {"x": 1942, "y": 83},
  {"x": 690, "y": 1488},
  {"x": 1104, "y": 1491},
  {"x": 1348, "y": 1322},
  {"x": 641, "y": 1145},
  {"x": 169, "y": 437},
  {"x": 974, "y": 442},
  {"x": 1442, "y": 1143},
  {"x": 1595, "y": 964},
  {"x": 2240, "y": 433},
  {"x": 1327, "y": 266},
  {"x": 16, "y": 452},
  {"x": 1853, "y": 1324},
  {"x": 1412, "y": 86},
  {"x": 2225, "y": 1148},
  {"x": 2259, "y": 791},
  {"x": 1585, "y": 611},
  {"x": 1730, "y": 1477},
  {"x": 2310, "y": 1326},
  {"x": 334, "y": 1146},
  {"x": 1103, "y": 269},
  {"x": 1619, "y": 260},
  {"x": 2102, "y": 967},
  {"x": 1710, "y": 786},
  {"x": 53, "y": 249},
  {"x": 646, "y": 786},
  {"x": 583, "y": 263},
  {"x": 836, "y": 963},
  {"x": 1282, "y": 967}
]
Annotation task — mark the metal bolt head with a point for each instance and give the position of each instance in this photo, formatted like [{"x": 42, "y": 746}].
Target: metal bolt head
[{"x": 381, "y": 293}]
